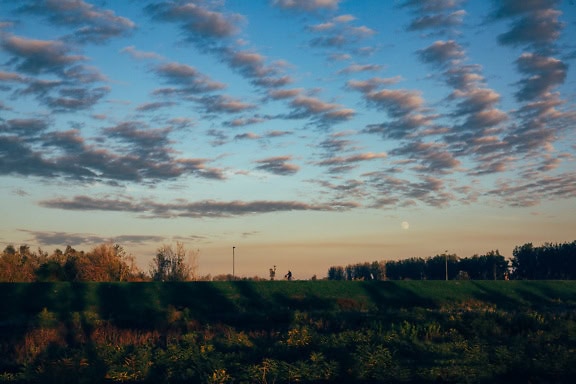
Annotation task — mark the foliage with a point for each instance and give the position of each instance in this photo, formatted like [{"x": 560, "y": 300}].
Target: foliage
[
  {"x": 550, "y": 261},
  {"x": 360, "y": 271},
  {"x": 105, "y": 262},
  {"x": 286, "y": 332},
  {"x": 174, "y": 263}
]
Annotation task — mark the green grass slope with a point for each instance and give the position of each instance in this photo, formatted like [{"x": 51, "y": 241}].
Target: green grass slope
[{"x": 286, "y": 332}]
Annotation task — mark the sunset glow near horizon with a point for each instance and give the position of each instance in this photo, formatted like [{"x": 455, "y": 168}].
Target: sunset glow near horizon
[{"x": 304, "y": 133}]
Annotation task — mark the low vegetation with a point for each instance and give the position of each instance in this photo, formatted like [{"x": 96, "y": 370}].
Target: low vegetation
[{"x": 286, "y": 332}]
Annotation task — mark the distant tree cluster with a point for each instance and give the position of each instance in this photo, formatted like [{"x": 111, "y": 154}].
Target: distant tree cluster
[
  {"x": 104, "y": 262},
  {"x": 361, "y": 271},
  {"x": 550, "y": 261},
  {"x": 491, "y": 266}
]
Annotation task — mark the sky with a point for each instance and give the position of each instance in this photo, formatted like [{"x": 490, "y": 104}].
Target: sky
[{"x": 304, "y": 133}]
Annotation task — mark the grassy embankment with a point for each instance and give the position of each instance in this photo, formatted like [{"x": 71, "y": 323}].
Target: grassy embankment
[{"x": 263, "y": 332}]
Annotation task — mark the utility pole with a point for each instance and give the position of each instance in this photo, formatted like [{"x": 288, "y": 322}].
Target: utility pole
[{"x": 233, "y": 263}]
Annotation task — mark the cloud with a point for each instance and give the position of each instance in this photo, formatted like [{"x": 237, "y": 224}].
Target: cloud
[
  {"x": 538, "y": 124},
  {"x": 403, "y": 127},
  {"x": 126, "y": 153},
  {"x": 307, "y": 5},
  {"x": 398, "y": 102},
  {"x": 195, "y": 20},
  {"x": 474, "y": 100},
  {"x": 187, "y": 78},
  {"x": 440, "y": 52},
  {"x": 271, "y": 134},
  {"x": 369, "y": 85},
  {"x": 534, "y": 23},
  {"x": 23, "y": 127},
  {"x": 280, "y": 94},
  {"x": 198, "y": 209},
  {"x": 511, "y": 8},
  {"x": 339, "y": 164},
  {"x": 247, "y": 136},
  {"x": 345, "y": 189},
  {"x": 476, "y": 124},
  {"x": 40, "y": 56},
  {"x": 463, "y": 76},
  {"x": 433, "y": 157},
  {"x": 11, "y": 77},
  {"x": 74, "y": 99},
  {"x": 303, "y": 106},
  {"x": 335, "y": 41},
  {"x": 140, "y": 55},
  {"x": 75, "y": 239},
  {"x": 432, "y": 6},
  {"x": 222, "y": 104},
  {"x": 528, "y": 193},
  {"x": 94, "y": 25},
  {"x": 312, "y": 104},
  {"x": 543, "y": 74},
  {"x": 154, "y": 106},
  {"x": 141, "y": 138},
  {"x": 278, "y": 165},
  {"x": 354, "y": 68},
  {"x": 394, "y": 192},
  {"x": 435, "y": 21},
  {"x": 241, "y": 122},
  {"x": 335, "y": 143},
  {"x": 539, "y": 28},
  {"x": 252, "y": 66},
  {"x": 72, "y": 92}
]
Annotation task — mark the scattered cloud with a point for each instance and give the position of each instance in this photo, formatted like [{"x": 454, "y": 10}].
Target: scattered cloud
[
  {"x": 33, "y": 56},
  {"x": 94, "y": 25},
  {"x": 75, "y": 239},
  {"x": 140, "y": 55},
  {"x": 543, "y": 74},
  {"x": 434, "y": 21},
  {"x": 307, "y": 5},
  {"x": 196, "y": 20},
  {"x": 199, "y": 209},
  {"x": 354, "y": 68},
  {"x": 278, "y": 165},
  {"x": 187, "y": 78}
]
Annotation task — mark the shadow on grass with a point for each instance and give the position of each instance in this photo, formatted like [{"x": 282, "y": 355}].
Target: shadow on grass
[{"x": 386, "y": 294}]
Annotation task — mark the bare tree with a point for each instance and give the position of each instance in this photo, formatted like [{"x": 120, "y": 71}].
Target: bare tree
[{"x": 174, "y": 263}]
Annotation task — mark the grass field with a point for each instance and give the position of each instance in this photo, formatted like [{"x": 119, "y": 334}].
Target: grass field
[{"x": 297, "y": 331}]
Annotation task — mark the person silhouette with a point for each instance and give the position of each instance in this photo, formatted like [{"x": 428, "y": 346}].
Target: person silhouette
[{"x": 288, "y": 276}]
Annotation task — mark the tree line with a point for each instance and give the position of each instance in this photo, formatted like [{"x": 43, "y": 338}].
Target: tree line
[
  {"x": 104, "y": 262},
  {"x": 110, "y": 262},
  {"x": 549, "y": 261}
]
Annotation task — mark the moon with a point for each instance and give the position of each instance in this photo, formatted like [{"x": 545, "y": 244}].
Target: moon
[{"x": 405, "y": 225}]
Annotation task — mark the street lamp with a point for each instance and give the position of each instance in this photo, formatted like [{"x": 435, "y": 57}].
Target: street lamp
[
  {"x": 446, "y": 260},
  {"x": 233, "y": 262}
]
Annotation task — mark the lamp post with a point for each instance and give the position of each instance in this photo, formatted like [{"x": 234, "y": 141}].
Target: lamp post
[
  {"x": 233, "y": 262},
  {"x": 446, "y": 260}
]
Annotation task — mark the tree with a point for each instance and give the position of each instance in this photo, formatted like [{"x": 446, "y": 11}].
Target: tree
[
  {"x": 336, "y": 273},
  {"x": 18, "y": 265},
  {"x": 106, "y": 262},
  {"x": 491, "y": 266},
  {"x": 550, "y": 261},
  {"x": 412, "y": 268},
  {"x": 174, "y": 263},
  {"x": 436, "y": 267}
]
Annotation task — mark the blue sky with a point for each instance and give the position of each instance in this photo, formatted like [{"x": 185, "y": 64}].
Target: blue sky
[{"x": 306, "y": 133}]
